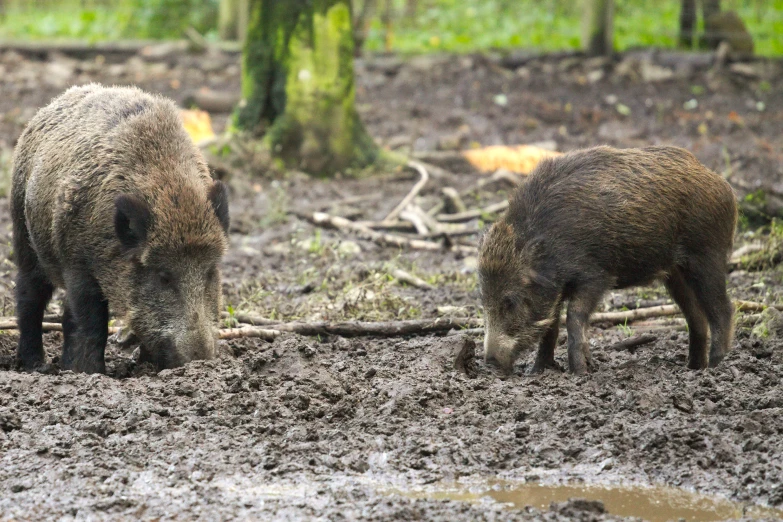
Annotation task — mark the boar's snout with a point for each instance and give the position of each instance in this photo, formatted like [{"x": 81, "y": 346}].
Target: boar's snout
[
  {"x": 199, "y": 342},
  {"x": 498, "y": 351}
]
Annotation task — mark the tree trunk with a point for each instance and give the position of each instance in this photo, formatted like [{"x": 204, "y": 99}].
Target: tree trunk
[
  {"x": 598, "y": 25},
  {"x": 298, "y": 84},
  {"x": 687, "y": 23},
  {"x": 232, "y": 19},
  {"x": 708, "y": 9},
  {"x": 361, "y": 25}
]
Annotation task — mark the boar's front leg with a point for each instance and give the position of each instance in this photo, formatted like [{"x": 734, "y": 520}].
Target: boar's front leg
[
  {"x": 545, "y": 358},
  {"x": 33, "y": 291},
  {"x": 580, "y": 306},
  {"x": 85, "y": 324}
]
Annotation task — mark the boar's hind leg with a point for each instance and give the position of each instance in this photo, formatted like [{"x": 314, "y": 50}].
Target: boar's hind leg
[
  {"x": 580, "y": 306},
  {"x": 33, "y": 291},
  {"x": 85, "y": 325},
  {"x": 545, "y": 358},
  {"x": 685, "y": 298},
  {"x": 707, "y": 278}
]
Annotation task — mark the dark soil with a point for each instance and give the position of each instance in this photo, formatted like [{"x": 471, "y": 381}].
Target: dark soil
[{"x": 323, "y": 427}]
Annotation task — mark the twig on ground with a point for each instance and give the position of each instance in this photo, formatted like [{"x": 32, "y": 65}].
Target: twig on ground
[
  {"x": 635, "y": 315},
  {"x": 499, "y": 175},
  {"x": 633, "y": 342},
  {"x": 736, "y": 256},
  {"x": 249, "y": 318},
  {"x": 748, "y": 319},
  {"x": 323, "y": 220},
  {"x": 452, "y": 201},
  {"x": 401, "y": 226},
  {"x": 405, "y": 277},
  {"x": 416, "y": 220},
  {"x": 249, "y": 331},
  {"x": 473, "y": 214},
  {"x": 413, "y": 192},
  {"x": 752, "y": 306},
  {"x": 431, "y": 223},
  {"x": 380, "y": 329}
]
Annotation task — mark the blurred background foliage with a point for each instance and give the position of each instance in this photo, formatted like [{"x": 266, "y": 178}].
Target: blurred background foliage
[{"x": 407, "y": 26}]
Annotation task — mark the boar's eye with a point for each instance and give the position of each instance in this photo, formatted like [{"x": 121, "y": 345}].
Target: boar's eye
[
  {"x": 165, "y": 278},
  {"x": 211, "y": 274},
  {"x": 509, "y": 304}
]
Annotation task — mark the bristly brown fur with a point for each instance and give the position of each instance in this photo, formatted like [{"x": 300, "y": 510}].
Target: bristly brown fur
[
  {"x": 600, "y": 218},
  {"x": 76, "y": 156}
]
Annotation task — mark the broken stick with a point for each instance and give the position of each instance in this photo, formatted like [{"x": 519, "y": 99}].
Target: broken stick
[
  {"x": 405, "y": 277},
  {"x": 633, "y": 342},
  {"x": 380, "y": 329},
  {"x": 248, "y": 331},
  {"x": 473, "y": 214},
  {"x": 321, "y": 219},
  {"x": 413, "y": 192}
]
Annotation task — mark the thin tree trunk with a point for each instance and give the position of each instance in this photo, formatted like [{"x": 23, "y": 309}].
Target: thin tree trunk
[
  {"x": 232, "y": 19},
  {"x": 687, "y": 23},
  {"x": 227, "y": 19},
  {"x": 361, "y": 25},
  {"x": 708, "y": 9},
  {"x": 386, "y": 20},
  {"x": 298, "y": 85},
  {"x": 411, "y": 7},
  {"x": 598, "y": 25}
]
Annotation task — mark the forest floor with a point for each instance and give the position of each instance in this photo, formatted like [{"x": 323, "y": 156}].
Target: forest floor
[{"x": 384, "y": 428}]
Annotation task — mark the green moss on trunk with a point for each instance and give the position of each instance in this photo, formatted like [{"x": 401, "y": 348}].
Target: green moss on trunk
[{"x": 298, "y": 85}]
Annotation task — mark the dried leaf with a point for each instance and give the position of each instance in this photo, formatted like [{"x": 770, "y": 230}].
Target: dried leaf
[
  {"x": 198, "y": 125},
  {"x": 521, "y": 159}
]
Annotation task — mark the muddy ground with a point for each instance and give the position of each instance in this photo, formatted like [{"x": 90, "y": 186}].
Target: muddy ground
[{"x": 324, "y": 427}]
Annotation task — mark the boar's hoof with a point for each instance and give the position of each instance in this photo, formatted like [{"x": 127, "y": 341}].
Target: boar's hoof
[
  {"x": 581, "y": 362},
  {"x": 715, "y": 360},
  {"x": 540, "y": 366},
  {"x": 500, "y": 369}
]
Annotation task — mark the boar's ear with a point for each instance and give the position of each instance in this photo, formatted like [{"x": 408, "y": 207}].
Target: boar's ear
[
  {"x": 218, "y": 196},
  {"x": 131, "y": 220}
]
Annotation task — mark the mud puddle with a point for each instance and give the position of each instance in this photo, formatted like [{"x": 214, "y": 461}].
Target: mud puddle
[{"x": 655, "y": 504}]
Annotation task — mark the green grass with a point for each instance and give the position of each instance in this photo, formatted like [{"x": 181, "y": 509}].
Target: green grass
[
  {"x": 97, "y": 20},
  {"x": 470, "y": 25},
  {"x": 437, "y": 25}
]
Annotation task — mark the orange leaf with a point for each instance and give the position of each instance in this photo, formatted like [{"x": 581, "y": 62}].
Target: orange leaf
[
  {"x": 736, "y": 118},
  {"x": 198, "y": 125},
  {"x": 521, "y": 159}
]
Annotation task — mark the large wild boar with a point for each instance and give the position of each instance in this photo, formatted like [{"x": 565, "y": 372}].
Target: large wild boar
[
  {"x": 113, "y": 202},
  {"x": 604, "y": 218}
]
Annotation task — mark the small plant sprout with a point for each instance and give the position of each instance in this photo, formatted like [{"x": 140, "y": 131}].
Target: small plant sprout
[{"x": 231, "y": 320}]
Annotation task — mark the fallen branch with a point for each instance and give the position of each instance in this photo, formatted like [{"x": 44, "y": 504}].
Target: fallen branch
[
  {"x": 751, "y": 306},
  {"x": 430, "y": 222},
  {"x": 416, "y": 221},
  {"x": 248, "y": 318},
  {"x": 10, "y": 324},
  {"x": 473, "y": 214},
  {"x": 413, "y": 192},
  {"x": 635, "y": 315},
  {"x": 248, "y": 331},
  {"x": 340, "y": 223},
  {"x": 737, "y": 255},
  {"x": 380, "y": 329},
  {"x": 452, "y": 201},
  {"x": 499, "y": 175},
  {"x": 405, "y": 277},
  {"x": 633, "y": 342}
]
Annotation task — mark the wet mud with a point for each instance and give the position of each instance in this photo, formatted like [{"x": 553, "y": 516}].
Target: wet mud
[{"x": 369, "y": 429}]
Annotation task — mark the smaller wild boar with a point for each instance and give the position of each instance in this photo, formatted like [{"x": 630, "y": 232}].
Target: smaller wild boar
[
  {"x": 112, "y": 201},
  {"x": 604, "y": 218}
]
